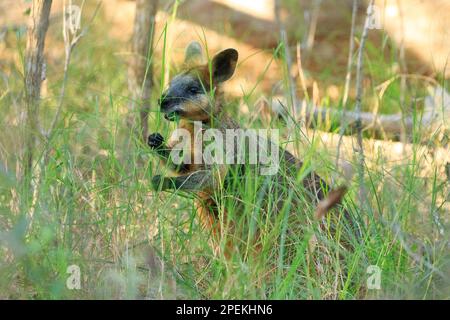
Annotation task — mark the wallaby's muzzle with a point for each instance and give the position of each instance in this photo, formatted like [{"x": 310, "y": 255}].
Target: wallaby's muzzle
[{"x": 170, "y": 106}]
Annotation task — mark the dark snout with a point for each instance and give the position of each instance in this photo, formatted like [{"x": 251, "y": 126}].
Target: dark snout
[
  {"x": 165, "y": 102},
  {"x": 169, "y": 105}
]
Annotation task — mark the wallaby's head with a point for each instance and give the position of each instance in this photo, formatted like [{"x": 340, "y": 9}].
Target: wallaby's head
[{"x": 190, "y": 93}]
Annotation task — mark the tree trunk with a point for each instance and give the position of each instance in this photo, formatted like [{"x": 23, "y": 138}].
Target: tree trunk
[
  {"x": 34, "y": 75},
  {"x": 140, "y": 72},
  {"x": 435, "y": 111}
]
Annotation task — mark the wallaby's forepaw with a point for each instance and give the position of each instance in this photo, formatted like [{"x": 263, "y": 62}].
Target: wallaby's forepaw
[{"x": 155, "y": 140}]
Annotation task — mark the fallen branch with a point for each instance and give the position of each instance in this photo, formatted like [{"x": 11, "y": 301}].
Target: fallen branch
[
  {"x": 395, "y": 154},
  {"x": 436, "y": 111}
]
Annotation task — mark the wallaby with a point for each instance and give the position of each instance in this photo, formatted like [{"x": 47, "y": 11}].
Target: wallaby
[{"x": 195, "y": 95}]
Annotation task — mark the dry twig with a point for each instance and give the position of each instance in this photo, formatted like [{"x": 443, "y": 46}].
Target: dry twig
[
  {"x": 359, "y": 94},
  {"x": 348, "y": 77},
  {"x": 70, "y": 41}
]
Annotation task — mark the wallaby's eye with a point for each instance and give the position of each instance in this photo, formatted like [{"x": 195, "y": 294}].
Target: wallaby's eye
[{"x": 194, "y": 90}]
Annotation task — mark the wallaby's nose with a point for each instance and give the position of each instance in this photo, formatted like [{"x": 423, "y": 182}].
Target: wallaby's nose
[{"x": 163, "y": 101}]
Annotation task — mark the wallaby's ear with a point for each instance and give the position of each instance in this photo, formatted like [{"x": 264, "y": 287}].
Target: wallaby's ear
[
  {"x": 223, "y": 65},
  {"x": 193, "y": 52}
]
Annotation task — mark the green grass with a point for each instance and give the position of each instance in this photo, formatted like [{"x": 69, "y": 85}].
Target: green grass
[{"x": 94, "y": 207}]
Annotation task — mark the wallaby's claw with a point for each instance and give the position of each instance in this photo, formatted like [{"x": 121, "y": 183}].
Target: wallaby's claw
[{"x": 155, "y": 140}]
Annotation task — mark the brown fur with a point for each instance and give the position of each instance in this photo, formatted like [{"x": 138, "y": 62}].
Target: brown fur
[{"x": 205, "y": 180}]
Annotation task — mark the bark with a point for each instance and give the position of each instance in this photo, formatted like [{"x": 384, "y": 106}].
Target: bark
[
  {"x": 140, "y": 71},
  {"x": 34, "y": 74}
]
